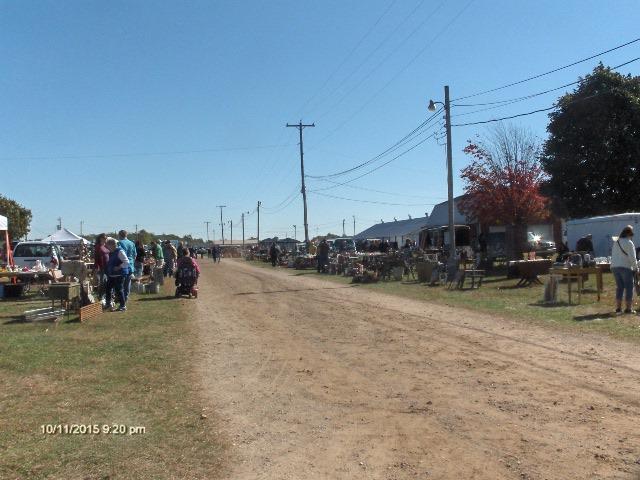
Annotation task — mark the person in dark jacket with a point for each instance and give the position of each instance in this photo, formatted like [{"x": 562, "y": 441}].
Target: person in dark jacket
[
  {"x": 585, "y": 244},
  {"x": 118, "y": 269},
  {"x": 100, "y": 260},
  {"x": 323, "y": 256},
  {"x": 274, "y": 253},
  {"x": 139, "y": 262}
]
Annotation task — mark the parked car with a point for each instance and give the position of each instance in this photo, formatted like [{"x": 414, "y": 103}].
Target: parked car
[
  {"x": 343, "y": 245},
  {"x": 25, "y": 254},
  {"x": 543, "y": 248}
]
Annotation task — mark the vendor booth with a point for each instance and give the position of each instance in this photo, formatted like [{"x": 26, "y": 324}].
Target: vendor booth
[
  {"x": 6, "y": 256},
  {"x": 74, "y": 245}
]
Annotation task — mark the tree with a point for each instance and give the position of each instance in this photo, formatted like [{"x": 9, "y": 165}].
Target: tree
[
  {"x": 502, "y": 184},
  {"x": 19, "y": 218},
  {"x": 592, "y": 155}
]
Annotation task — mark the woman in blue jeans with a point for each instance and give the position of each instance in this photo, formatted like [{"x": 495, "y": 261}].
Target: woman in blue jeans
[
  {"x": 624, "y": 266},
  {"x": 118, "y": 269}
]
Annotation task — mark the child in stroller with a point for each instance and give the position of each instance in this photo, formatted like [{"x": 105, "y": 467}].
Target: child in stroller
[{"x": 187, "y": 273}]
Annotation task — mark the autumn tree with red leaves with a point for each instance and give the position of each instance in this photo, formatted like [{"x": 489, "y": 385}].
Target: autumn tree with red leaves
[{"x": 502, "y": 184}]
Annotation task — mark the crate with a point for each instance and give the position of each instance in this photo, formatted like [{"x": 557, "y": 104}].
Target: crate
[
  {"x": 64, "y": 291},
  {"x": 90, "y": 311}
]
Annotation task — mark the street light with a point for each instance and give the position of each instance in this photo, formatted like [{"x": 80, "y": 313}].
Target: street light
[{"x": 452, "y": 235}]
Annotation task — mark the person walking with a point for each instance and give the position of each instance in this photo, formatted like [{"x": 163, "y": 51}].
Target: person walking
[
  {"x": 274, "y": 253},
  {"x": 214, "y": 253},
  {"x": 170, "y": 255},
  {"x": 129, "y": 249},
  {"x": 624, "y": 267},
  {"x": 118, "y": 269}
]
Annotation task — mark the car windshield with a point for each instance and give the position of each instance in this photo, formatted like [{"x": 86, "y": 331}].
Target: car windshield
[{"x": 27, "y": 250}]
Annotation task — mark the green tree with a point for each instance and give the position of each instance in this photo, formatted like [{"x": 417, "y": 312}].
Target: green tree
[
  {"x": 19, "y": 218},
  {"x": 592, "y": 155}
]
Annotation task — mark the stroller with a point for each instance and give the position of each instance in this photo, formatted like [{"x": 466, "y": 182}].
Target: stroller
[{"x": 187, "y": 281}]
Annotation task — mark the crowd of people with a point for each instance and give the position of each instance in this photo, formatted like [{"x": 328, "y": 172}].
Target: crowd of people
[{"x": 117, "y": 262}]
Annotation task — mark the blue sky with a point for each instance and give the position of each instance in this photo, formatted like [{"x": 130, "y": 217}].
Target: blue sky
[{"x": 153, "y": 112}]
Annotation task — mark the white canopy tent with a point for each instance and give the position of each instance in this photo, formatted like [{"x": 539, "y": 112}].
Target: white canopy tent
[
  {"x": 65, "y": 237},
  {"x": 6, "y": 255}
]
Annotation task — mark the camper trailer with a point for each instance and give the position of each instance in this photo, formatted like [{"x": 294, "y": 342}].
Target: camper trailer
[{"x": 602, "y": 228}]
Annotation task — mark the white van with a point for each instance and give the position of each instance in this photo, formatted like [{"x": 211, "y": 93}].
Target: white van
[{"x": 25, "y": 254}]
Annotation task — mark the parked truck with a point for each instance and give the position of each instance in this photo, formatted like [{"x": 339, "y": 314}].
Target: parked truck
[{"x": 602, "y": 230}]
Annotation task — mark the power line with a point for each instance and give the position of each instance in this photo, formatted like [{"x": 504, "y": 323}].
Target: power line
[
  {"x": 145, "y": 154},
  {"x": 384, "y": 60},
  {"x": 357, "y": 187},
  {"x": 385, "y": 163},
  {"x": 527, "y": 113},
  {"x": 349, "y": 55},
  {"x": 380, "y": 44},
  {"x": 372, "y": 201},
  {"x": 408, "y": 137},
  {"x": 503, "y": 103},
  {"x": 392, "y": 79},
  {"x": 284, "y": 206},
  {"x": 550, "y": 71}
]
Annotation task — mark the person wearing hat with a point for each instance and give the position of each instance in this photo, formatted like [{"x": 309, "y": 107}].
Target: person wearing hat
[{"x": 624, "y": 266}]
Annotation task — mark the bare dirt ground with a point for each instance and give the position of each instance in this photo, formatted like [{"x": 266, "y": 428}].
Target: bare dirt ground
[{"x": 316, "y": 380}]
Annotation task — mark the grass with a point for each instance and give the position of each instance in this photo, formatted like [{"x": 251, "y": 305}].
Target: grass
[
  {"x": 499, "y": 295},
  {"x": 131, "y": 369}
]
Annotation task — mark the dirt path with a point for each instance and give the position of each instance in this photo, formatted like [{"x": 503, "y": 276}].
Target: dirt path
[{"x": 313, "y": 379}]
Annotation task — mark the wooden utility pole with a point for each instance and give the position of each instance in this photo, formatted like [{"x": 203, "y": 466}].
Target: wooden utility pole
[
  {"x": 258, "y": 239},
  {"x": 207, "y": 223},
  {"x": 221, "y": 223},
  {"x": 354, "y": 225},
  {"x": 300, "y": 126},
  {"x": 243, "y": 229},
  {"x": 231, "y": 223}
]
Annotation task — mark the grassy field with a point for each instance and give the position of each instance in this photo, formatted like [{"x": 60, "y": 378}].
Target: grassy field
[
  {"x": 131, "y": 369},
  {"x": 499, "y": 295}
]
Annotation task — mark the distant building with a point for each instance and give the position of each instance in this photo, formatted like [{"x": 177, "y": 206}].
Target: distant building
[{"x": 395, "y": 231}]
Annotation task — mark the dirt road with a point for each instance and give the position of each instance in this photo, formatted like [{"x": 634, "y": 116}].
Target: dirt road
[{"x": 314, "y": 379}]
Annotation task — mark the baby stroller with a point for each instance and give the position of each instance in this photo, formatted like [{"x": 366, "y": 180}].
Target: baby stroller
[{"x": 187, "y": 281}]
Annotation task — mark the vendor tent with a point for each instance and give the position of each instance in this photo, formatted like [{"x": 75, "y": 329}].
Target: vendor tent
[
  {"x": 4, "y": 227},
  {"x": 65, "y": 237}
]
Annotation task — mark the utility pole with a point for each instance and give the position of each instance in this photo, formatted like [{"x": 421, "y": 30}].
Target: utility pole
[
  {"x": 295, "y": 232},
  {"x": 354, "y": 225},
  {"x": 136, "y": 231},
  {"x": 300, "y": 126},
  {"x": 243, "y": 229},
  {"x": 231, "y": 223},
  {"x": 452, "y": 234},
  {"x": 221, "y": 223},
  {"x": 258, "y": 239},
  {"x": 81, "y": 223},
  {"x": 343, "y": 234},
  {"x": 207, "y": 223}
]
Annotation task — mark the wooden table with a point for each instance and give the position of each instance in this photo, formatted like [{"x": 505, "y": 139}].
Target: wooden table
[
  {"x": 529, "y": 270},
  {"x": 578, "y": 273}
]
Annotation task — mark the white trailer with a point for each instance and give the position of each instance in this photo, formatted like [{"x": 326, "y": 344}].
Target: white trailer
[{"x": 602, "y": 229}]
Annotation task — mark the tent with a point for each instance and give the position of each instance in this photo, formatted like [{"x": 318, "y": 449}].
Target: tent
[
  {"x": 65, "y": 237},
  {"x": 4, "y": 227}
]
